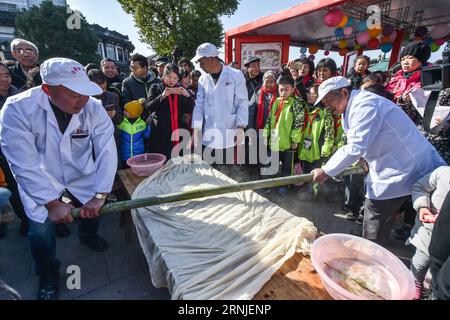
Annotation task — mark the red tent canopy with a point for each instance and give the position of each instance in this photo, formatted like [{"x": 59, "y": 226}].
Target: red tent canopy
[{"x": 305, "y": 26}]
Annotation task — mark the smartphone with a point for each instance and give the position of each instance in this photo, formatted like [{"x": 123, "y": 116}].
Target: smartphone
[{"x": 109, "y": 107}]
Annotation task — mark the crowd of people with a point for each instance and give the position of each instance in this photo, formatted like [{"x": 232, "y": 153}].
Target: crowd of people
[{"x": 307, "y": 118}]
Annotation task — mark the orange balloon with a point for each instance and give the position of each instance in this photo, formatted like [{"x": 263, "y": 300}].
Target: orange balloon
[
  {"x": 373, "y": 33},
  {"x": 313, "y": 49},
  {"x": 342, "y": 52},
  {"x": 343, "y": 21},
  {"x": 385, "y": 39}
]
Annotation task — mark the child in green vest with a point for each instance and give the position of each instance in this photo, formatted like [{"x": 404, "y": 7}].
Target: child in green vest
[
  {"x": 318, "y": 139},
  {"x": 284, "y": 126},
  {"x": 133, "y": 131}
]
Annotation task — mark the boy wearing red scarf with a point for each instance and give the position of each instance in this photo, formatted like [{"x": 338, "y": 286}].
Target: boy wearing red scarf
[{"x": 285, "y": 126}]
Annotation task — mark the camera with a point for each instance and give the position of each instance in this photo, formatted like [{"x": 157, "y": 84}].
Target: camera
[{"x": 436, "y": 78}]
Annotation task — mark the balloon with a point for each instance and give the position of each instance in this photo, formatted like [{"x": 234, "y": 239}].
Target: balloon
[
  {"x": 362, "y": 26},
  {"x": 429, "y": 41},
  {"x": 407, "y": 36},
  {"x": 333, "y": 17},
  {"x": 350, "y": 22},
  {"x": 326, "y": 53},
  {"x": 342, "y": 52},
  {"x": 388, "y": 30},
  {"x": 342, "y": 44},
  {"x": 393, "y": 36},
  {"x": 373, "y": 43},
  {"x": 343, "y": 21},
  {"x": 357, "y": 46},
  {"x": 434, "y": 47},
  {"x": 385, "y": 39},
  {"x": 313, "y": 48},
  {"x": 362, "y": 38},
  {"x": 439, "y": 42},
  {"x": 327, "y": 46},
  {"x": 440, "y": 31},
  {"x": 311, "y": 57},
  {"x": 373, "y": 33},
  {"x": 421, "y": 31},
  {"x": 386, "y": 47},
  {"x": 348, "y": 31},
  {"x": 303, "y": 49},
  {"x": 339, "y": 32}
]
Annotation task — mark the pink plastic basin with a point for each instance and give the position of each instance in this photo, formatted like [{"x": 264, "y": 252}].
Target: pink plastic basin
[
  {"x": 347, "y": 265},
  {"x": 146, "y": 164}
]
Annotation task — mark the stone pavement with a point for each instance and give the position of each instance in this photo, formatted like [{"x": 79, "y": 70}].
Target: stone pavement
[{"x": 121, "y": 273}]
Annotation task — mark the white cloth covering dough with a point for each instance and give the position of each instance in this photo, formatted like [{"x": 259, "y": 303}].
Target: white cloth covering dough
[{"x": 219, "y": 247}]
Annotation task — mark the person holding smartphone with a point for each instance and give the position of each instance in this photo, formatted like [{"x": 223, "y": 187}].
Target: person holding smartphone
[{"x": 168, "y": 103}]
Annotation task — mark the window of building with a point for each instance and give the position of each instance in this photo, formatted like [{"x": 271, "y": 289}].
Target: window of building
[
  {"x": 120, "y": 56},
  {"x": 111, "y": 52},
  {"x": 101, "y": 50},
  {"x": 8, "y": 7}
]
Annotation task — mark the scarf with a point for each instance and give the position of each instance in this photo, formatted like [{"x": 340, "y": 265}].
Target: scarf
[
  {"x": 260, "y": 112},
  {"x": 306, "y": 79},
  {"x": 279, "y": 110},
  {"x": 173, "y": 104}
]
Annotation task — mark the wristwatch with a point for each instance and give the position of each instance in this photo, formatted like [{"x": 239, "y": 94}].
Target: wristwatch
[{"x": 101, "y": 196}]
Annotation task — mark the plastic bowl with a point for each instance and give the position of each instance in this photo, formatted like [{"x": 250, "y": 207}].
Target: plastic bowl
[
  {"x": 343, "y": 260},
  {"x": 146, "y": 164}
]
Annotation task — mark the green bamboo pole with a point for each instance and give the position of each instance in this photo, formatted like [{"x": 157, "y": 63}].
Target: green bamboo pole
[{"x": 207, "y": 192}]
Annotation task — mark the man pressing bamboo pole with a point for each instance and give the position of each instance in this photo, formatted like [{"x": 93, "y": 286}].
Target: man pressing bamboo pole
[{"x": 380, "y": 132}]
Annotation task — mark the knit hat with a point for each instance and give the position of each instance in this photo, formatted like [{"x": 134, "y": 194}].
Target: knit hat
[
  {"x": 419, "y": 49},
  {"x": 268, "y": 74},
  {"x": 134, "y": 108}
]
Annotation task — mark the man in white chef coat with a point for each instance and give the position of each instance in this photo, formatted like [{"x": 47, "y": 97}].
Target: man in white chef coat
[
  {"x": 380, "y": 132},
  {"x": 221, "y": 107},
  {"x": 60, "y": 145}
]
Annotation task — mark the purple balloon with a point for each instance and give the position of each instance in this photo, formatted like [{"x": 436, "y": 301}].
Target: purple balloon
[
  {"x": 312, "y": 57},
  {"x": 387, "y": 30}
]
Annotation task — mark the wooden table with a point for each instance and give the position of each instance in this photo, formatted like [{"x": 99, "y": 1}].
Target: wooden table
[{"x": 295, "y": 280}]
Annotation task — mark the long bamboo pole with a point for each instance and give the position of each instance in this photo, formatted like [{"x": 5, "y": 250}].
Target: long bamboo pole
[{"x": 207, "y": 192}]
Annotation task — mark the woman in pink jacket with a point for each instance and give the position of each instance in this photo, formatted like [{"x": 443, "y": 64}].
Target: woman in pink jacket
[{"x": 413, "y": 57}]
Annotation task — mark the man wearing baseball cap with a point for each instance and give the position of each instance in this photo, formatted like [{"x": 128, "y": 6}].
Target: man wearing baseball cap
[
  {"x": 253, "y": 75},
  {"x": 221, "y": 107},
  {"x": 381, "y": 133},
  {"x": 59, "y": 142}
]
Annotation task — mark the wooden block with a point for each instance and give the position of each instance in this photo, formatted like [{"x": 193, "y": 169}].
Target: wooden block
[{"x": 295, "y": 280}]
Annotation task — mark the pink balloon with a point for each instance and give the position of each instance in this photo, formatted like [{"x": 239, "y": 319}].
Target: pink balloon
[
  {"x": 326, "y": 53},
  {"x": 363, "y": 38},
  {"x": 333, "y": 17},
  {"x": 348, "y": 31},
  {"x": 440, "y": 31},
  {"x": 439, "y": 42}
]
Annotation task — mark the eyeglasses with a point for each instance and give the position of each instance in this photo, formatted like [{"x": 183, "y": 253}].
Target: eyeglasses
[{"x": 23, "y": 51}]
